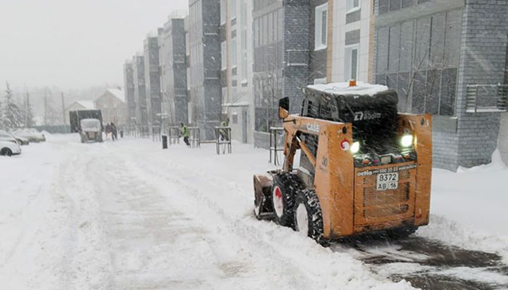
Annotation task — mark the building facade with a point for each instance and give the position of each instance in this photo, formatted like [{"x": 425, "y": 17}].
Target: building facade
[
  {"x": 431, "y": 52},
  {"x": 351, "y": 55},
  {"x": 152, "y": 80},
  {"x": 236, "y": 67},
  {"x": 172, "y": 50},
  {"x": 128, "y": 73},
  {"x": 113, "y": 106},
  {"x": 138, "y": 69},
  {"x": 292, "y": 49},
  {"x": 204, "y": 66}
]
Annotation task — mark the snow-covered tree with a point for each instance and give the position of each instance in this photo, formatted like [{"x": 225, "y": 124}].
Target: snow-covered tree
[
  {"x": 12, "y": 115},
  {"x": 2, "y": 115},
  {"x": 28, "y": 115}
]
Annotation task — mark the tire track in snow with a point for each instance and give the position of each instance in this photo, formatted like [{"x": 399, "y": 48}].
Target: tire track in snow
[
  {"x": 298, "y": 272},
  {"x": 144, "y": 229}
]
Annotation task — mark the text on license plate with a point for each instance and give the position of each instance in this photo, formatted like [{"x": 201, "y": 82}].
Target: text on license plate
[{"x": 386, "y": 181}]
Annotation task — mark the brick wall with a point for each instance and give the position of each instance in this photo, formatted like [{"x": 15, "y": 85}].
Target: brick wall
[{"x": 483, "y": 61}]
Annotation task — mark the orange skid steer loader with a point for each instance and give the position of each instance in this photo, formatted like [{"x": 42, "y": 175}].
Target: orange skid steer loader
[{"x": 363, "y": 166}]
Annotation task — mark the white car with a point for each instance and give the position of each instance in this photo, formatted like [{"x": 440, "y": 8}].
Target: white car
[
  {"x": 8, "y": 145},
  {"x": 31, "y": 134}
]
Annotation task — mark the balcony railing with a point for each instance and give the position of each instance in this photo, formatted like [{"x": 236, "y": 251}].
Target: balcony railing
[{"x": 486, "y": 98}]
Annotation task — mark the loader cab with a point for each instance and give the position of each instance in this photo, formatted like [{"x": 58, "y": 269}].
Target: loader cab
[{"x": 374, "y": 118}]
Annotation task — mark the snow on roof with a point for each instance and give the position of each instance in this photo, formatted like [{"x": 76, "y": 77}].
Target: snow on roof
[
  {"x": 117, "y": 93},
  {"x": 87, "y": 104},
  {"x": 361, "y": 88}
]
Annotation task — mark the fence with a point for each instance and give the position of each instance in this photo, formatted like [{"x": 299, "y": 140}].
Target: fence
[{"x": 223, "y": 140}]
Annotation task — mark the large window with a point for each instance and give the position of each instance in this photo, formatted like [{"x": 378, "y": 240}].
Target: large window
[
  {"x": 222, "y": 12},
  {"x": 232, "y": 53},
  {"x": 321, "y": 27},
  {"x": 351, "y": 61},
  {"x": 352, "y": 5},
  {"x": 420, "y": 58},
  {"x": 223, "y": 52},
  {"x": 232, "y": 9}
]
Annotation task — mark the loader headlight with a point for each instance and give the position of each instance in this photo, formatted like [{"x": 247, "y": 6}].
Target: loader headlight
[
  {"x": 406, "y": 141},
  {"x": 355, "y": 147}
]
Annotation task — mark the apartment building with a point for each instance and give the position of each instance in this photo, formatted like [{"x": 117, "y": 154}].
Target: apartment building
[
  {"x": 205, "y": 65},
  {"x": 152, "y": 79},
  {"x": 128, "y": 73},
  {"x": 236, "y": 67},
  {"x": 138, "y": 69},
  {"x": 173, "y": 65},
  {"x": 448, "y": 59}
]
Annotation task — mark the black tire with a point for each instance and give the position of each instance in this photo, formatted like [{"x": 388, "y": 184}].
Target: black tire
[
  {"x": 308, "y": 199},
  {"x": 6, "y": 152},
  {"x": 285, "y": 185}
]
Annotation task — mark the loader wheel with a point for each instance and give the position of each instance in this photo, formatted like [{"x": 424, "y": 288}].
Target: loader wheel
[
  {"x": 284, "y": 187},
  {"x": 308, "y": 216}
]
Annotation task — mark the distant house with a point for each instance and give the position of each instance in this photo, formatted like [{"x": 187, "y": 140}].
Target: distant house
[
  {"x": 78, "y": 106},
  {"x": 113, "y": 106}
]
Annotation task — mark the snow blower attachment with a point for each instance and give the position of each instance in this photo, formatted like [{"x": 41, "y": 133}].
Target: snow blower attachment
[{"x": 363, "y": 166}]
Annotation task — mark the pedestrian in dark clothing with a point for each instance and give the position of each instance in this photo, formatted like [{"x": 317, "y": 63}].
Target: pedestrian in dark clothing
[
  {"x": 185, "y": 133},
  {"x": 107, "y": 130},
  {"x": 114, "y": 132}
]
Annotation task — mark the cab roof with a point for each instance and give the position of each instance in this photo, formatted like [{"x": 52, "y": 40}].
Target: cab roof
[{"x": 361, "y": 89}]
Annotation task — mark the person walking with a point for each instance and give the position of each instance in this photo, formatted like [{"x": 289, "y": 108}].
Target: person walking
[
  {"x": 107, "y": 130},
  {"x": 114, "y": 132},
  {"x": 185, "y": 133},
  {"x": 223, "y": 132}
]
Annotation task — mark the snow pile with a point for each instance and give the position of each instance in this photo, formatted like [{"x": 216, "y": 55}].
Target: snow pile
[
  {"x": 469, "y": 208},
  {"x": 361, "y": 88}
]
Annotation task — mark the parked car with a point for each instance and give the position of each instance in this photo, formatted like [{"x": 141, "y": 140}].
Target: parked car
[
  {"x": 8, "y": 145},
  {"x": 21, "y": 140},
  {"x": 31, "y": 134}
]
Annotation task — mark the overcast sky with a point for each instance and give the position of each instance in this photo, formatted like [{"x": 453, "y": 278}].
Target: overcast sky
[{"x": 74, "y": 43}]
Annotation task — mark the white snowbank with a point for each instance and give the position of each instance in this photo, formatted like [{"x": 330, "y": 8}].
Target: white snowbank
[
  {"x": 469, "y": 207},
  {"x": 361, "y": 88}
]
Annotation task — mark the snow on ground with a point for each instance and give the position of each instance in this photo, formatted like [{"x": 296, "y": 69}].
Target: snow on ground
[
  {"x": 469, "y": 208},
  {"x": 128, "y": 215}
]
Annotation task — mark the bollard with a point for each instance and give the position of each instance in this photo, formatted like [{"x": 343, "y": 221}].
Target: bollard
[{"x": 164, "y": 141}]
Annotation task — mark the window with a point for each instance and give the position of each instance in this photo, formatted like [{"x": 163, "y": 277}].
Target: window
[
  {"x": 223, "y": 52},
  {"x": 235, "y": 118},
  {"x": 222, "y": 11},
  {"x": 232, "y": 9},
  {"x": 321, "y": 27},
  {"x": 352, "y": 5},
  {"x": 351, "y": 61}
]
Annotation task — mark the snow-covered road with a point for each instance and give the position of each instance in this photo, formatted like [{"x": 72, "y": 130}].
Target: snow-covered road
[{"x": 128, "y": 215}]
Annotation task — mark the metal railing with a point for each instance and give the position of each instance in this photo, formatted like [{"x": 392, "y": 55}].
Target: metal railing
[
  {"x": 223, "y": 140},
  {"x": 276, "y": 144},
  {"x": 194, "y": 137},
  {"x": 486, "y": 98}
]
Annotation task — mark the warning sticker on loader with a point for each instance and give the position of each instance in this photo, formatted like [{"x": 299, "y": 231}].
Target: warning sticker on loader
[{"x": 386, "y": 170}]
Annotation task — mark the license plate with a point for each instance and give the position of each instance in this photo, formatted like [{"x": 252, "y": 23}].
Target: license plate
[{"x": 387, "y": 181}]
